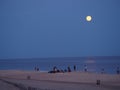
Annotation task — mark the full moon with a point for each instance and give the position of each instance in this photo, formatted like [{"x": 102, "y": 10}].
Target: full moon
[{"x": 88, "y": 18}]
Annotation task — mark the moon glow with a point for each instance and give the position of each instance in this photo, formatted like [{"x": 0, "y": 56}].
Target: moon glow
[{"x": 88, "y": 18}]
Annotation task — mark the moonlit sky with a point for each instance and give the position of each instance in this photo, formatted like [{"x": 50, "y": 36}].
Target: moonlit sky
[{"x": 58, "y": 28}]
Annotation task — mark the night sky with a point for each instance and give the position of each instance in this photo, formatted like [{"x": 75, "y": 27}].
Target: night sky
[{"x": 58, "y": 28}]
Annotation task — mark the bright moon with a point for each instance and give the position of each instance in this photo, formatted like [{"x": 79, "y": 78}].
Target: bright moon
[{"x": 88, "y": 18}]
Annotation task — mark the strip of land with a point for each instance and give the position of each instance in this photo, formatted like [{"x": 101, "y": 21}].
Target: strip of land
[{"x": 31, "y": 80}]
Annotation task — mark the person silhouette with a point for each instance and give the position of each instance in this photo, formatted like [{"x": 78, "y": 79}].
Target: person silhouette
[
  {"x": 74, "y": 67},
  {"x": 118, "y": 71},
  {"x": 69, "y": 70},
  {"x": 85, "y": 68}
]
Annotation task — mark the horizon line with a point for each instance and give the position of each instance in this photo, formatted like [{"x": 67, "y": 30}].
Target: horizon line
[{"x": 62, "y": 57}]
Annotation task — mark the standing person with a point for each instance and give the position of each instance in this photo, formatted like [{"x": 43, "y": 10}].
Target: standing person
[
  {"x": 37, "y": 69},
  {"x": 69, "y": 70},
  {"x": 85, "y": 68},
  {"x": 118, "y": 71},
  {"x": 74, "y": 67}
]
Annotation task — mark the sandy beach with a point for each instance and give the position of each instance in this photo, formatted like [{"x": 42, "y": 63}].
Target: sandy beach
[{"x": 31, "y": 80}]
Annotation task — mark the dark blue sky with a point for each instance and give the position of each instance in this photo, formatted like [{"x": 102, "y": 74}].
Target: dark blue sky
[{"x": 57, "y": 28}]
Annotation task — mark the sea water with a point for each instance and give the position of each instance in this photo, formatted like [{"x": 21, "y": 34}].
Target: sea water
[{"x": 96, "y": 65}]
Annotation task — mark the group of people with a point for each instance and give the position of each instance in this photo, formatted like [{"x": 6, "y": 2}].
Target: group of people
[
  {"x": 117, "y": 70},
  {"x": 36, "y": 69},
  {"x": 56, "y": 70}
]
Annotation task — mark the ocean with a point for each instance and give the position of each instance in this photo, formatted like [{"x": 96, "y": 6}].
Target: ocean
[{"x": 94, "y": 64}]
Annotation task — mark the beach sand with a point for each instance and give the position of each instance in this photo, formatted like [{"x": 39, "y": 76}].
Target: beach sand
[{"x": 31, "y": 80}]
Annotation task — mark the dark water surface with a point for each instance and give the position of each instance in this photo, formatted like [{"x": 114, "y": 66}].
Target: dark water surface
[{"x": 94, "y": 64}]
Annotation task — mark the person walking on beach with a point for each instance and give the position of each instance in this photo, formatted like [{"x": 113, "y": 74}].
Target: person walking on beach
[
  {"x": 37, "y": 69},
  {"x": 85, "y": 68},
  {"x": 74, "y": 67},
  {"x": 69, "y": 70},
  {"x": 118, "y": 71}
]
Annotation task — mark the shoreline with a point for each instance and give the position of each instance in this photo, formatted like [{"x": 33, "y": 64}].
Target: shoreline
[{"x": 42, "y": 71}]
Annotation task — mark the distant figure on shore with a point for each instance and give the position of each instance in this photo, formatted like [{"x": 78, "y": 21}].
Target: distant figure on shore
[
  {"x": 85, "y": 68},
  {"x": 118, "y": 71},
  {"x": 69, "y": 70},
  {"x": 55, "y": 69},
  {"x": 37, "y": 69},
  {"x": 74, "y": 67},
  {"x": 65, "y": 70}
]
